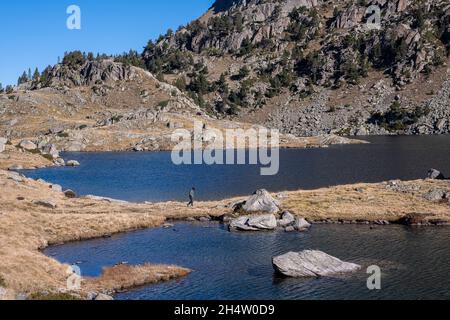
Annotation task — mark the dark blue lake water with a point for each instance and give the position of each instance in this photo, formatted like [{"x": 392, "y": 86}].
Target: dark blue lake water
[
  {"x": 415, "y": 262},
  {"x": 152, "y": 176}
]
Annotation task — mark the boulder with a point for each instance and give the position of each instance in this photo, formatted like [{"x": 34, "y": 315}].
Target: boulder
[
  {"x": 301, "y": 224},
  {"x": 261, "y": 201},
  {"x": 287, "y": 219},
  {"x": 240, "y": 224},
  {"x": 103, "y": 297},
  {"x": 56, "y": 187},
  {"x": 436, "y": 195},
  {"x": 311, "y": 263},
  {"x": 59, "y": 162},
  {"x": 28, "y": 145},
  {"x": 70, "y": 194},
  {"x": 72, "y": 163},
  {"x": 45, "y": 203},
  {"x": 3, "y": 142},
  {"x": 435, "y": 175},
  {"x": 51, "y": 151},
  {"x": 263, "y": 222}
]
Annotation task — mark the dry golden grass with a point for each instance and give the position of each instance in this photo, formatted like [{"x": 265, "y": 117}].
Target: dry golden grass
[
  {"x": 368, "y": 202},
  {"x": 123, "y": 277}
]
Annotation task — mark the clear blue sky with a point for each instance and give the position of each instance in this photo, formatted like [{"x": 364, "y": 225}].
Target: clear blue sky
[{"x": 35, "y": 32}]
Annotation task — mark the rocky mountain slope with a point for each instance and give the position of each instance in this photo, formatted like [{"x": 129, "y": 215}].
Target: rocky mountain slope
[
  {"x": 315, "y": 66},
  {"x": 104, "y": 105}
]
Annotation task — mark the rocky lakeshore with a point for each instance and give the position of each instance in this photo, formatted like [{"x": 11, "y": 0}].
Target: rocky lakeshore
[{"x": 36, "y": 214}]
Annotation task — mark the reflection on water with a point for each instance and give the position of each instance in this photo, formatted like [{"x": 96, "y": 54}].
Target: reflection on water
[{"x": 415, "y": 261}]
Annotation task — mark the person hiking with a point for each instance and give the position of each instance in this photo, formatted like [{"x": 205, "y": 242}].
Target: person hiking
[{"x": 191, "y": 197}]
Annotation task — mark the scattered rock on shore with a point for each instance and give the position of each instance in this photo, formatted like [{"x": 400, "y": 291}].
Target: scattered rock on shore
[
  {"x": 70, "y": 194},
  {"x": 437, "y": 195},
  {"x": 59, "y": 162},
  {"x": 435, "y": 175},
  {"x": 28, "y": 145},
  {"x": 15, "y": 167},
  {"x": 45, "y": 203},
  {"x": 311, "y": 263}
]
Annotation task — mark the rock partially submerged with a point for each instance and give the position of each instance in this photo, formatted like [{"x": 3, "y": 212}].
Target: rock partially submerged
[
  {"x": 72, "y": 163},
  {"x": 301, "y": 224},
  {"x": 254, "y": 223},
  {"x": 260, "y": 201},
  {"x": 311, "y": 263}
]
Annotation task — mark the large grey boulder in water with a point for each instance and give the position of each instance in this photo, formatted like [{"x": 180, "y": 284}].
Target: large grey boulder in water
[
  {"x": 261, "y": 201},
  {"x": 311, "y": 263},
  {"x": 254, "y": 223}
]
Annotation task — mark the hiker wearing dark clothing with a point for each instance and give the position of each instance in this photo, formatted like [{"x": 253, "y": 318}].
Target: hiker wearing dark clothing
[{"x": 191, "y": 197}]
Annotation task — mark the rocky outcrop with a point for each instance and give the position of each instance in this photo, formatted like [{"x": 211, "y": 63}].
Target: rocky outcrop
[
  {"x": 311, "y": 264},
  {"x": 89, "y": 74}
]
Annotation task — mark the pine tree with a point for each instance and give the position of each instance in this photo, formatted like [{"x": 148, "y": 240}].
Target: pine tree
[
  {"x": 23, "y": 78},
  {"x": 29, "y": 74},
  {"x": 36, "y": 75}
]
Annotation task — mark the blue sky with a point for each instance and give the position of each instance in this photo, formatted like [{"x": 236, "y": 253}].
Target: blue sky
[{"x": 35, "y": 32}]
